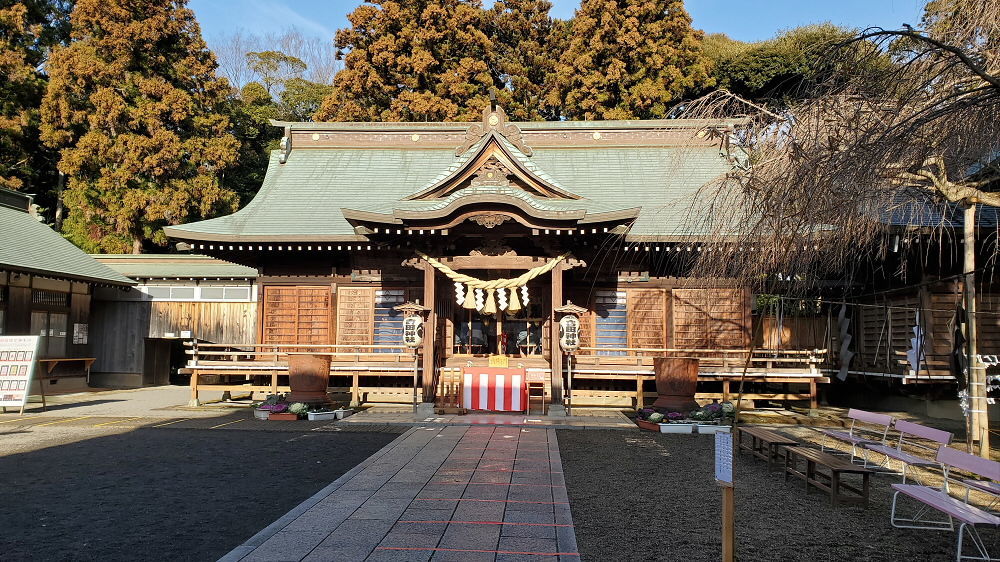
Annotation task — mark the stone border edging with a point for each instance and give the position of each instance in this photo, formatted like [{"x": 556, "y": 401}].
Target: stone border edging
[{"x": 258, "y": 539}]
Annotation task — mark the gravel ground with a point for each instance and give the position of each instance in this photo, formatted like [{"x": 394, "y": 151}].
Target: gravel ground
[
  {"x": 164, "y": 494},
  {"x": 649, "y": 496}
]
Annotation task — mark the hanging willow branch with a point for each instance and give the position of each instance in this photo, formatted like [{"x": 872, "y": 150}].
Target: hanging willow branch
[{"x": 903, "y": 129}]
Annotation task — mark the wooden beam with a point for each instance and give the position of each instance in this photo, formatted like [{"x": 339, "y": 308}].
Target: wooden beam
[
  {"x": 556, "y": 351},
  {"x": 430, "y": 332}
]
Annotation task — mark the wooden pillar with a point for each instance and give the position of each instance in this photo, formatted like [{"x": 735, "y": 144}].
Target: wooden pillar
[
  {"x": 978, "y": 403},
  {"x": 556, "y": 351},
  {"x": 430, "y": 332}
]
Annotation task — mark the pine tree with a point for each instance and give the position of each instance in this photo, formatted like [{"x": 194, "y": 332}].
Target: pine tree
[
  {"x": 28, "y": 29},
  {"x": 412, "y": 60},
  {"x": 629, "y": 59},
  {"x": 134, "y": 106},
  {"x": 526, "y": 47}
]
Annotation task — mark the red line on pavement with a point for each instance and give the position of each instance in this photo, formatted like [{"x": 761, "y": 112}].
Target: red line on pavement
[
  {"x": 477, "y": 550},
  {"x": 497, "y": 484},
  {"x": 477, "y": 500},
  {"x": 494, "y": 523}
]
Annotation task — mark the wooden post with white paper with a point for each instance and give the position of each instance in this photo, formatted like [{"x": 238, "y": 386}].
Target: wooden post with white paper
[
  {"x": 17, "y": 365},
  {"x": 724, "y": 478}
]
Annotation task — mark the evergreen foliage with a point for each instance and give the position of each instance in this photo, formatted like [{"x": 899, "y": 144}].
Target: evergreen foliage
[
  {"x": 413, "y": 60},
  {"x": 526, "y": 46},
  {"x": 136, "y": 110},
  {"x": 28, "y": 29},
  {"x": 778, "y": 69},
  {"x": 629, "y": 59}
]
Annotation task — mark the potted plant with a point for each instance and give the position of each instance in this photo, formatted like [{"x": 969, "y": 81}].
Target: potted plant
[
  {"x": 710, "y": 417},
  {"x": 648, "y": 419},
  {"x": 300, "y": 409},
  {"x": 676, "y": 423},
  {"x": 342, "y": 413},
  {"x": 322, "y": 414},
  {"x": 277, "y": 408},
  {"x": 262, "y": 410}
]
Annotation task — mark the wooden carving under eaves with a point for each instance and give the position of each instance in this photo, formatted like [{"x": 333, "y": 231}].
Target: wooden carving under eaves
[
  {"x": 493, "y": 248},
  {"x": 492, "y": 173},
  {"x": 494, "y": 119}
]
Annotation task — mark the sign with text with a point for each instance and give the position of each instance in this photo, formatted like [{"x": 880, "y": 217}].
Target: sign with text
[
  {"x": 17, "y": 364},
  {"x": 724, "y": 457}
]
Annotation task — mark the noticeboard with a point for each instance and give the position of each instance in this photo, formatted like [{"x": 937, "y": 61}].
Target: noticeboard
[
  {"x": 17, "y": 365},
  {"x": 724, "y": 457}
]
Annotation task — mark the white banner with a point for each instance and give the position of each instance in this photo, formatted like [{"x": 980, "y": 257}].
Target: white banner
[{"x": 17, "y": 364}]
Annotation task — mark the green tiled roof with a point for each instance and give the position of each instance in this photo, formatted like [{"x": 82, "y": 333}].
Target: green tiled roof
[
  {"x": 175, "y": 266},
  {"x": 28, "y": 245},
  {"x": 302, "y": 199}
]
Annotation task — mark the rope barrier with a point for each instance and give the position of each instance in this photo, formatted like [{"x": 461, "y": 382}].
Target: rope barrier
[{"x": 473, "y": 295}]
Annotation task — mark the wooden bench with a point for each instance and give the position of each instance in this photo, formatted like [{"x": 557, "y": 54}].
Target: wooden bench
[
  {"x": 873, "y": 429},
  {"x": 830, "y": 483},
  {"x": 764, "y": 444},
  {"x": 915, "y": 430},
  {"x": 51, "y": 364},
  {"x": 970, "y": 517}
]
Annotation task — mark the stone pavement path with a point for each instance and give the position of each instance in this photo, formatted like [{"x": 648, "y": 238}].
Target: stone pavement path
[{"x": 441, "y": 494}]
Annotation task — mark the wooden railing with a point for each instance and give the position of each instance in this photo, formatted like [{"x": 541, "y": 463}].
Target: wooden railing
[
  {"x": 725, "y": 365},
  {"x": 711, "y": 360},
  {"x": 241, "y": 366}
]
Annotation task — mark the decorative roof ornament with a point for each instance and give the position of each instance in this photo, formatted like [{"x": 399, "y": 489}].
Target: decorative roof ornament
[{"x": 494, "y": 121}]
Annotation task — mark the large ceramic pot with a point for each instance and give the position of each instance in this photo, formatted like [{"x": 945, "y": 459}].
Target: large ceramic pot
[
  {"x": 676, "y": 384},
  {"x": 308, "y": 377}
]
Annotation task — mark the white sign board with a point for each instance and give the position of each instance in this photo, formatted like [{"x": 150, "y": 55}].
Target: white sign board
[
  {"x": 17, "y": 364},
  {"x": 724, "y": 457},
  {"x": 80, "y": 334}
]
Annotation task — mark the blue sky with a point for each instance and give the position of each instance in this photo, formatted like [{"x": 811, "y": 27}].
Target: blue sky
[{"x": 746, "y": 20}]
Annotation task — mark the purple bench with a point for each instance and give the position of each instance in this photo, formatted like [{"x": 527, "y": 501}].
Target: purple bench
[
  {"x": 987, "y": 487},
  {"x": 908, "y": 433},
  {"x": 970, "y": 517},
  {"x": 872, "y": 429}
]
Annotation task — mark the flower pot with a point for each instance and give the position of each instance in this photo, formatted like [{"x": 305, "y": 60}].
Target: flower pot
[
  {"x": 648, "y": 426},
  {"x": 308, "y": 378},
  {"x": 712, "y": 428},
  {"x": 677, "y": 428},
  {"x": 284, "y": 416},
  {"x": 343, "y": 413},
  {"x": 261, "y": 414},
  {"x": 319, "y": 416},
  {"x": 676, "y": 384}
]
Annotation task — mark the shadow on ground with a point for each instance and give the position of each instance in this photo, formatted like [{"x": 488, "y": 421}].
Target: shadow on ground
[
  {"x": 648, "y": 496},
  {"x": 165, "y": 494},
  {"x": 36, "y": 407}
]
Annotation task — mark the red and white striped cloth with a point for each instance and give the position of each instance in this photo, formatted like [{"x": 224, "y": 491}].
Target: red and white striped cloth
[{"x": 494, "y": 389}]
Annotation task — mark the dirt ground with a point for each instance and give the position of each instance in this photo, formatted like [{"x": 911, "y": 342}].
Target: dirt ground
[
  {"x": 90, "y": 492},
  {"x": 649, "y": 496}
]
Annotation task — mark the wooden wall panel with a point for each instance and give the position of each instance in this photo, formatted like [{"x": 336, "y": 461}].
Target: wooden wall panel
[
  {"x": 218, "y": 322},
  {"x": 647, "y": 318},
  {"x": 117, "y": 331},
  {"x": 355, "y": 315},
  {"x": 296, "y": 315},
  {"x": 710, "y": 318}
]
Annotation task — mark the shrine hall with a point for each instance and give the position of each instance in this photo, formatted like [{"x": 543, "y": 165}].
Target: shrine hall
[{"x": 490, "y": 232}]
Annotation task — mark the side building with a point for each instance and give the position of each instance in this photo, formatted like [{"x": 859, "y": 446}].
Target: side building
[
  {"x": 138, "y": 331},
  {"x": 47, "y": 287}
]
